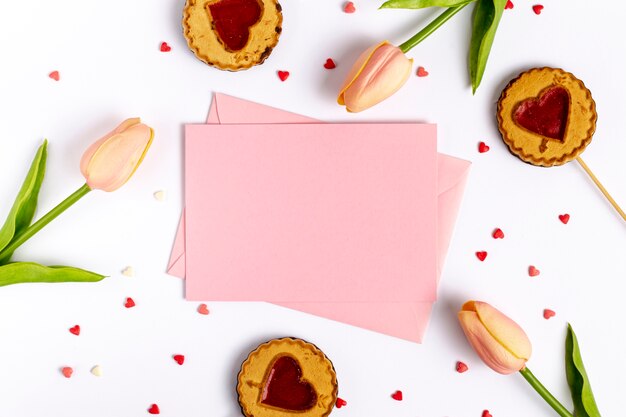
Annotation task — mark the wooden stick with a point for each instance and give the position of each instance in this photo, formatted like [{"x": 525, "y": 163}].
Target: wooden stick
[{"x": 601, "y": 187}]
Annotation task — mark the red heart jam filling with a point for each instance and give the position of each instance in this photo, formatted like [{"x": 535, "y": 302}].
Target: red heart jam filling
[
  {"x": 284, "y": 387},
  {"x": 545, "y": 115},
  {"x": 232, "y": 20}
]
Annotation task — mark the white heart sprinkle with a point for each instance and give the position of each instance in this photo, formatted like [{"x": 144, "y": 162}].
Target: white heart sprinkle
[
  {"x": 160, "y": 195},
  {"x": 129, "y": 271},
  {"x": 96, "y": 370}
]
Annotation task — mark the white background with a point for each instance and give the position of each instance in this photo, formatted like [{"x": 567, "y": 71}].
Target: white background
[{"x": 111, "y": 68}]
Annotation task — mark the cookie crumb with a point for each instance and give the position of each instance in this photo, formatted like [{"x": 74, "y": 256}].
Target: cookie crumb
[
  {"x": 96, "y": 370},
  {"x": 129, "y": 271},
  {"x": 160, "y": 195}
]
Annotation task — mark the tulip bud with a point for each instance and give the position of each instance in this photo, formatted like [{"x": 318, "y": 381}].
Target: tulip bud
[
  {"x": 499, "y": 341},
  {"x": 108, "y": 163},
  {"x": 379, "y": 72}
]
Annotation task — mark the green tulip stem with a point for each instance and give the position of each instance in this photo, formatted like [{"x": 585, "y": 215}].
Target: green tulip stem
[
  {"x": 432, "y": 26},
  {"x": 47, "y": 218},
  {"x": 545, "y": 394}
]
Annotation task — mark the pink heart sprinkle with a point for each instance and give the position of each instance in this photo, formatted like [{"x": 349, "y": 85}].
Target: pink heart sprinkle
[
  {"x": 67, "y": 371},
  {"x": 180, "y": 359},
  {"x": 75, "y": 330},
  {"x": 537, "y": 8},
  {"x": 349, "y": 7},
  {"x": 481, "y": 255},
  {"x": 498, "y": 234},
  {"x": 397, "y": 395},
  {"x": 165, "y": 47},
  {"x": 55, "y": 75},
  {"x": 283, "y": 75},
  {"x": 340, "y": 403},
  {"x": 533, "y": 272},
  {"x": 203, "y": 309},
  {"x": 509, "y": 5},
  {"x": 330, "y": 64},
  {"x": 547, "y": 313},
  {"x": 564, "y": 218},
  {"x": 461, "y": 367},
  {"x": 482, "y": 147},
  {"x": 421, "y": 72}
]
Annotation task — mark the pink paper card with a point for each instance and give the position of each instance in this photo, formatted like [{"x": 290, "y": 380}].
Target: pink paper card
[{"x": 311, "y": 212}]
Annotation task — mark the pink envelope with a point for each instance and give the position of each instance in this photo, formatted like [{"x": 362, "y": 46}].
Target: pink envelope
[{"x": 404, "y": 319}]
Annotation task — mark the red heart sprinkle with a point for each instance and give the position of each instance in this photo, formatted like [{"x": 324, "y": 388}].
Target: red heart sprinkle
[
  {"x": 547, "y": 313},
  {"x": 180, "y": 359},
  {"x": 165, "y": 47},
  {"x": 533, "y": 272},
  {"x": 564, "y": 218},
  {"x": 203, "y": 309},
  {"x": 421, "y": 72},
  {"x": 461, "y": 367},
  {"x": 67, "y": 371},
  {"x": 330, "y": 64},
  {"x": 283, "y": 75},
  {"x": 75, "y": 330},
  {"x": 537, "y": 8},
  {"x": 129, "y": 303},
  {"x": 486, "y": 413},
  {"x": 481, "y": 255},
  {"x": 397, "y": 395},
  {"x": 482, "y": 147},
  {"x": 55, "y": 75},
  {"x": 340, "y": 403},
  {"x": 349, "y": 7},
  {"x": 509, "y": 5},
  {"x": 498, "y": 234},
  {"x": 154, "y": 409}
]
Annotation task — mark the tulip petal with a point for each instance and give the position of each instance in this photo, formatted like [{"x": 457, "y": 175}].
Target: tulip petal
[
  {"x": 505, "y": 330},
  {"x": 356, "y": 70},
  {"x": 84, "y": 162},
  {"x": 494, "y": 354},
  {"x": 117, "y": 158}
]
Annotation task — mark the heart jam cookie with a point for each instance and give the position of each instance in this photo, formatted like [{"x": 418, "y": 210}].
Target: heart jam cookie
[
  {"x": 232, "y": 35},
  {"x": 287, "y": 377},
  {"x": 546, "y": 116}
]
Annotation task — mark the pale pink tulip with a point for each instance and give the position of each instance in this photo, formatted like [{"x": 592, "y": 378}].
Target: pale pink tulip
[
  {"x": 499, "y": 341},
  {"x": 379, "y": 72},
  {"x": 108, "y": 163}
]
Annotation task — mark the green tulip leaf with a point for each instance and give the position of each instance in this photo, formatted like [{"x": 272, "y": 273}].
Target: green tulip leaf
[
  {"x": 584, "y": 402},
  {"x": 487, "y": 16},
  {"x": 23, "y": 272},
  {"x": 23, "y": 210},
  {"x": 421, "y": 4}
]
